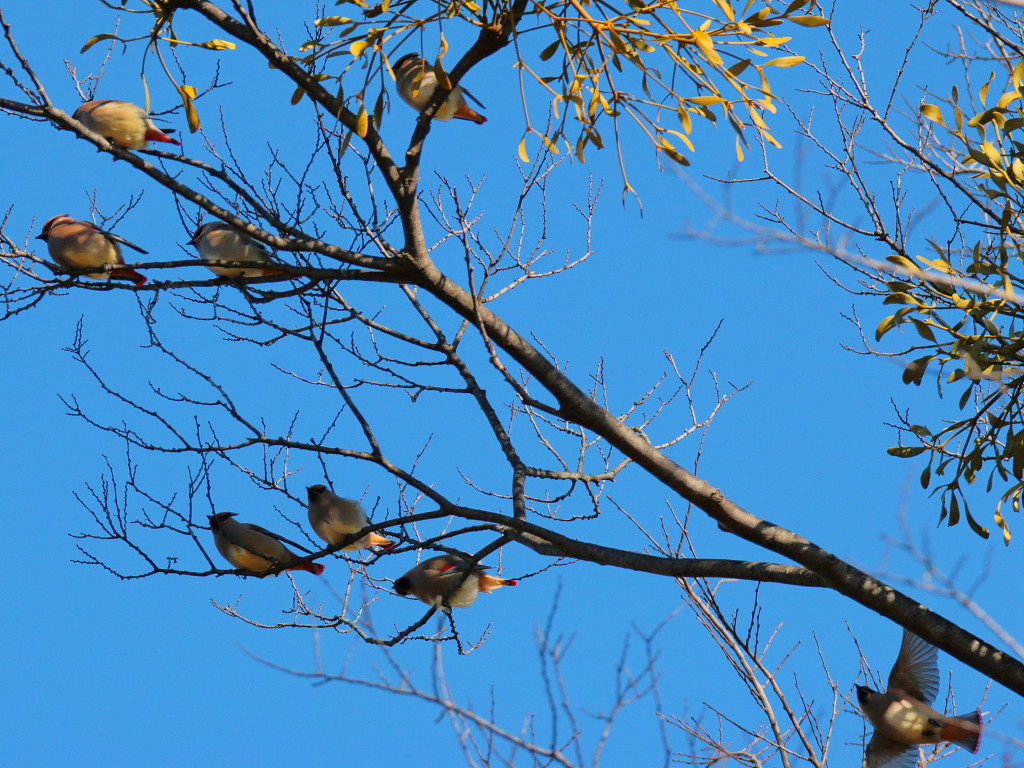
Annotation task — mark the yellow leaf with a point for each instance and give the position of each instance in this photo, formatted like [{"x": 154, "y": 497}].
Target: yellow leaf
[
  {"x": 191, "y": 113},
  {"x": 707, "y": 46},
  {"x": 552, "y": 147},
  {"x": 771, "y": 139},
  {"x": 885, "y": 326},
  {"x": 1018, "y": 73},
  {"x": 362, "y": 122},
  {"x": 940, "y": 264},
  {"x": 785, "y": 61},
  {"x": 332, "y": 21},
  {"x": 97, "y": 39},
  {"x": 809, "y": 21},
  {"x": 1017, "y": 171},
  {"x": 706, "y": 101},
  {"x": 727, "y": 9},
  {"x": 218, "y": 45},
  {"x": 934, "y": 114},
  {"x": 675, "y": 155},
  {"x": 685, "y": 139},
  {"x": 992, "y": 154},
  {"x": 522, "y": 151},
  {"x": 1007, "y": 99},
  {"x": 620, "y": 45},
  {"x": 357, "y": 48}
]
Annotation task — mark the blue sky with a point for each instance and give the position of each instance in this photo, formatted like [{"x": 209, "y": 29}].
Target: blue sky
[{"x": 109, "y": 672}]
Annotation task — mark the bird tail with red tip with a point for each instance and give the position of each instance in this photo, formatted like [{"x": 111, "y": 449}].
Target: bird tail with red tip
[
  {"x": 466, "y": 112},
  {"x": 376, "y": 540},
  {"x": 155, "y": 134},
  {"x": 136, "y": 277},
  {"x": 964, "y": 730},
  {"x": 490, "y": 583},
  {"x": 314, "y": 568}
]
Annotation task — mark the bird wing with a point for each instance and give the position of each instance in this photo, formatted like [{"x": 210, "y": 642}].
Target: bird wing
[
  {"x": 886, "y": 753},
  {"x": 917, "y": 669},
  {"x": 444, "y": 564},
  {"x": 121, "y": 240},
  {"x": 279, "y": 537}
]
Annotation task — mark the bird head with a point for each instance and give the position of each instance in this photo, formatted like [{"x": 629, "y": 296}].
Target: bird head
[
  {"x": 315, "y": 491},
  {"x": 409, "y": 58},
  {"x": 220, "y": 517},
  {"x": 403, "y": 586},
  {"x": 200, "y": 232},
  {"x": 865, "y": 694},
  {"x": 62, "y": 218}
]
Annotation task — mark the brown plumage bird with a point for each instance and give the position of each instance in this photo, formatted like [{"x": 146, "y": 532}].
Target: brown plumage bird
[
  {"x": 334, "y": 517},
  {"x": 253, "y": 548},
  {"x": 123, "y": 123},
  {"x": 432, "y": 580},
  {"x": 417, "y": 83},
  {"x": 78, "y": 245},
  {"x": 219, "y": 242},
  {"x": 902, "y": 716}
]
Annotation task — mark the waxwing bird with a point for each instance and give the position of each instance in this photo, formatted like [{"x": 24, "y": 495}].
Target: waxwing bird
[
  {"x": 333, "y": 518},
  {"x": 79, "y": 245},
  {"x": 253, "y": 548},
  {"x": 123, "y": 123},
  {"x": 417, "y": 82},
  {"x": 902, "y": 716},
  {"x": 432, "y": 580},
  {"x": 220, "y": 242}
]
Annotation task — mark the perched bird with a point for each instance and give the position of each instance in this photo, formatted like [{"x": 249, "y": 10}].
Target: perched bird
[
  {"x": 416, "y": 84},
  {"x": 253, "y": 548},
  {"x": 902, "y": 716},
  {"x": 333, "y": 518},
  {"x": 123, "y": 123},
  {"x": 433, "y": 579},
  {"x": 78, "y": 244},
  {"x": 219, "y": 242}
]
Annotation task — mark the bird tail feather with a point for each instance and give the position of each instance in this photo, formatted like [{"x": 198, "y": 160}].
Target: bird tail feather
[
  {"x": 466, "y": 112},
  {"x": 136, "y": 277},
  {"x": 314, "y": 568},
  {"x": 490, "y": 583},
  {"x": 154, "y": 134},
  {"x": 967, "y": 732}
]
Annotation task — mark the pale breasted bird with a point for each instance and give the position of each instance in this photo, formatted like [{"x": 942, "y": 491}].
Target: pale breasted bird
[
  {"x": 253, "y": 548},
  {"x": 417, "y": 82},
  {"x": 123, "y": 123},
  {"x": 902, "y": 716},
  {"x": 334, "y": 517},
  {"x": 76, "y": 244},
  {"x": 219, "y": 242},
  {"x": 432, "y": 580}
]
